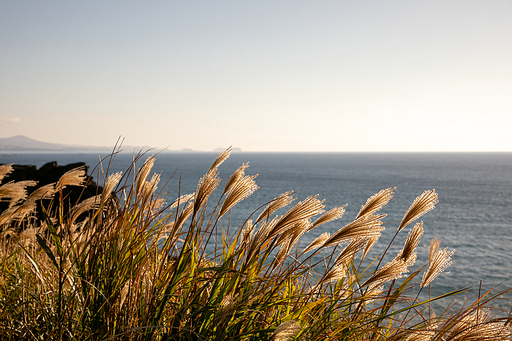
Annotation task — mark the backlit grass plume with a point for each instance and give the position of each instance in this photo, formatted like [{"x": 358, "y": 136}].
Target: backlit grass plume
[{"x": 124, "y": 265}]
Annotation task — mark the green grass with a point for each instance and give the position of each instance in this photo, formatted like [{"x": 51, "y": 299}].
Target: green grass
[{"x": 125, "y": 265}]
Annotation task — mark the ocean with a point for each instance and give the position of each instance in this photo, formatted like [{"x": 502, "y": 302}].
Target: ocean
[{"x": 473, "y": 216}]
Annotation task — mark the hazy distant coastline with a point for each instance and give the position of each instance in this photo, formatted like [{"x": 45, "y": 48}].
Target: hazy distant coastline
[{"x": 20, "y": 143}]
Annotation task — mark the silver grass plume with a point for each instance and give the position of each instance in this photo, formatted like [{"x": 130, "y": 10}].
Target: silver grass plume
[
  {"x": 332, "y": 214},
  {"x": 183, "y": 199},
  {"x": 239, "y": 173},
  {"x": 283, "y": 251},
  {"x": 318, "y": 242},
  {"x": 376, "y": 202},
  {"x": 477, "y": 326},
  {"x": 4, "y": 170},
  {"x": 43, "y": 192},
  {"x": 227, "y": 304},
  {"x": 88, "y": 204},
  {"x": 74, "y": 177},
  {"x": 23, "y": 210},
  {"x": 370, "y": 242},
  {"x": 335, "y": 274},
  {"x": 281, "y": 201},
  {"x": 421, "y": 205},
  {"x": 157, "y": 204},
  {"x": 15, "y": 191},
  {"x": 288, "y": 239},
  {"x": 349, "y": 252},
  {"x": 392, "y": 270},
  {"x": 424, "y": 334},
  {"x": 260, "y": 237},
  {"x": 340, "y": 268},
  {"x": 241, "y": 189},
  {"x": 294, "y": 233},
  {"x": 28, "y": 236},
  {"x": 438, "y": 261},
  {"x": 286, "y": 330},
  {"x": 247, "y": 233},
  {"x": 7, "y": 215},
  {"x": 184, "y": 215},
  {"x": 143, "y": 174},
  {"x": 109, "y": 186},
  {"x": 220, "y": 159},
  {"x": 210, "y": 181},
  {"x": 413, "y": 239},
  {"x": 305, "y": 209},
  {"x": 149, "y": 188},
  {"x": 363, "y": 227},
  {"x": 207, "y": 184}
]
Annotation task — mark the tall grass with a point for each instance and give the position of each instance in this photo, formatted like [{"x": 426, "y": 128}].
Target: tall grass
[{"x": 126, "y": 265}]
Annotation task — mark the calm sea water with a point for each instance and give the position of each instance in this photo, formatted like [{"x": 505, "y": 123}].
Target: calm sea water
[{"x": 473, "y": 216}]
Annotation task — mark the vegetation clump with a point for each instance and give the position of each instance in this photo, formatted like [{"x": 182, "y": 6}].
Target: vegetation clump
[{"x": 138, "y": 268}]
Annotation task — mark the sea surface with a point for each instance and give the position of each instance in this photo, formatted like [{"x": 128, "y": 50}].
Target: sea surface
[{"x": 473, "y": 216}]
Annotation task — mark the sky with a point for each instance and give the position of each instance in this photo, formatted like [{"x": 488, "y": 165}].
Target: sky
[{"x": 314, "y": 76}]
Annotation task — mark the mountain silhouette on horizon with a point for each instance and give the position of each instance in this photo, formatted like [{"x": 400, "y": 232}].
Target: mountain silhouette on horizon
[{"x": 20, "y": 143}]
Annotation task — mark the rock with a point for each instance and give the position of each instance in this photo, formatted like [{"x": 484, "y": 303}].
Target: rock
[{"x": 51, "y": 173}]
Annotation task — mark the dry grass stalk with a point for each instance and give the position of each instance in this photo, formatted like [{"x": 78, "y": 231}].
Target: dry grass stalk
[
  {"x": 281, "y": 201},
  {"x": 421, "y": 205},
  {"x": 5, "y": 169},
  {"x": 74, "y": 177},
  {"x": 286, "y": 330},
  {"x": 438, "y": 261},
  {"x": 363, "y": 227},
  {"x": 376, "y": 202},
  {"x": 241, "y": 189}
]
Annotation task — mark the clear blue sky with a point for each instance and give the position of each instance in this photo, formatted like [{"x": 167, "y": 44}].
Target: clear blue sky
[{"x": 259, "y": 75}]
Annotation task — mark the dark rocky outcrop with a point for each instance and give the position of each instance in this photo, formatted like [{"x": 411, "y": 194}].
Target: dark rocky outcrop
[{"x": 51, "y": 173}]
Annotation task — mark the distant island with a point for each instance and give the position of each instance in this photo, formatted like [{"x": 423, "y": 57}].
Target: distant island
[{"x": 20, "y": 143}]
